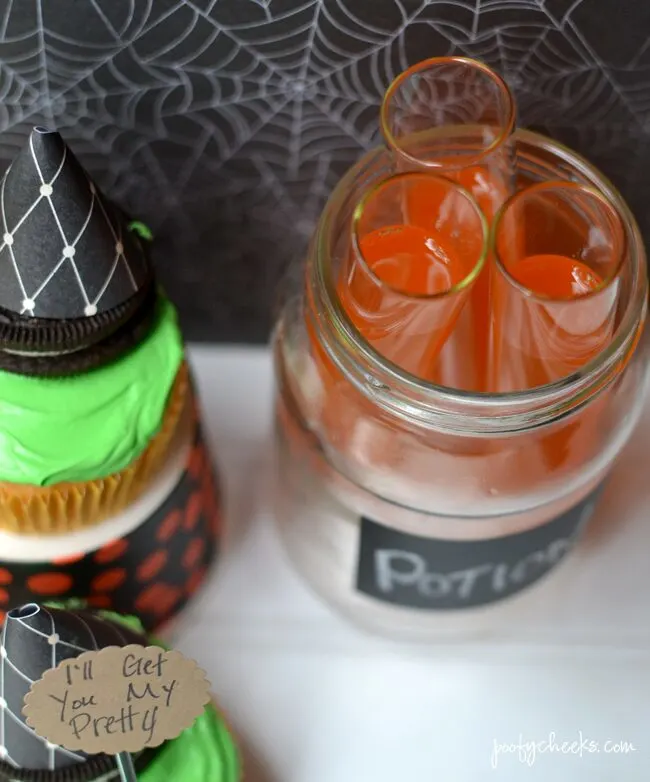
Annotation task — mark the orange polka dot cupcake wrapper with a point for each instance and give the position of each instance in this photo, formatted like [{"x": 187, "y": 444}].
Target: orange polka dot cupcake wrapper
[
  {"x": 151, "y": 572},
  {"x": 65, "y": 507}
]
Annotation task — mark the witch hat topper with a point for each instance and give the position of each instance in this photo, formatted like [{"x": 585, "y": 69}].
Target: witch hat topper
[
  {"x": 71, "y": 271},
  {"x": 35, "y": 639}
]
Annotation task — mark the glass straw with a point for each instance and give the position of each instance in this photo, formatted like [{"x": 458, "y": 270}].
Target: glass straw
[
  {"x": 455, "y": 117},
  {"x": 559, "y": 249},
  {"x": 419, "y": 242},
  {"x": 126, "y": 768}
]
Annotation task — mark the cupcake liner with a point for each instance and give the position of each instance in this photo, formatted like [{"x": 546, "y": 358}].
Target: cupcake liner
[
  {"x": 149, "y": 569},
  {"x": 68, "y": 506}
]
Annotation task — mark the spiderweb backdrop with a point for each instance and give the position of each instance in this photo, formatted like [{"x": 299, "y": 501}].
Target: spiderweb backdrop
[{"x": 225, "y": 123}]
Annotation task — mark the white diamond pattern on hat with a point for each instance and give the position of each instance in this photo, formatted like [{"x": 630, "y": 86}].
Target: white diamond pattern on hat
[
  {"x": 8, "y": 238},
  {"x": 119, "y": 250},
  {"x": 42, "y": 646},
  {"x": 5, "y": 711},
  {"x": 69, "y": 252}
]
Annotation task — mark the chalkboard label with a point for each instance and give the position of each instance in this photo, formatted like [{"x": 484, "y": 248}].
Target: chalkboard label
[{"x": 434, "y": 574}]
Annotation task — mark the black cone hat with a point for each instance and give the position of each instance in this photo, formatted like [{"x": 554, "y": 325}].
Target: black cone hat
[
  {"x": 35, "y": 639},
  {"x": 72, "y": 274}
]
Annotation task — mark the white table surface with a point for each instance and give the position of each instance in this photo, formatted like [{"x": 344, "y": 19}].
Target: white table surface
[{"x": 315, "y": 700}]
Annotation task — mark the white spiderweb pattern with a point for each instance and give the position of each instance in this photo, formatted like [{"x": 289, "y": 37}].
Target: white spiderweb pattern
[{"x": 225, "y": 123}]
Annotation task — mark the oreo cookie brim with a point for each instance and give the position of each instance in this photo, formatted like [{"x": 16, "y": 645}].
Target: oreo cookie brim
[
  {"x": 23, "y": 334},
  {"x": 76, "y": 346},
  {"x": 96, "y": 767}
]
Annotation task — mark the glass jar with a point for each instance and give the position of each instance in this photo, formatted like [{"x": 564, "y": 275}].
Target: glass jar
[{"x": 421, "y": 511}]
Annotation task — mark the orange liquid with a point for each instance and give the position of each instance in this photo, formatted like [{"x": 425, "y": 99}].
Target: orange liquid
[
  {"x": 465, "y": 347},
  {"x": 410, "y": 260},
  {"x": 540, "y": 341},
  {"x": 414, "y": 337},
  {"x": 489, "y": 194},
  {"x": 396, "y": 295},
  {"x": 463, "y": 361},
  {"x": 555, "y": 276}
]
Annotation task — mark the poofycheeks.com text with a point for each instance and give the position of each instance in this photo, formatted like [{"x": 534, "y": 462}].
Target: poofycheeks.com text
[{"x": 527, "y": 751}]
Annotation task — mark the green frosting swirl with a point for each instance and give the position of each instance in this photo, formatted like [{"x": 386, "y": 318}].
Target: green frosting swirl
[
  {"x": 89, "y": 426},
  {"x": 205, "y": 752}
]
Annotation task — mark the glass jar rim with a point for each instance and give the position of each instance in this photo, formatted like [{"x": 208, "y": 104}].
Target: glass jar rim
[{"x": 426, "y": 402}]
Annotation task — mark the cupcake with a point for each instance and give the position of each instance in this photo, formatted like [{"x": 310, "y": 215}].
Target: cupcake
[
  {"x": 107, "y": 488},
  {"x": 93, "y": 382},
  {"x": 149, "y": 559},
  {"x": 36, "y": 638}
]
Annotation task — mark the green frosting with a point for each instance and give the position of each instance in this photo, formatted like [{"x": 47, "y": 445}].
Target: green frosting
[
  {"x": 205, "y": 752},
  {"x": 88, "y": 426},
  {"x": 126, "y": 620}
]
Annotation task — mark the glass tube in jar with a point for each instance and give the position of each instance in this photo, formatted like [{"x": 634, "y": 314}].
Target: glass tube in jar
[{"x": 454, "y": 117}]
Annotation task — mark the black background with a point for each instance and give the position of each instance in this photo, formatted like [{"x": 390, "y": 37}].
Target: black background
[{"x": 225, "y": 123}]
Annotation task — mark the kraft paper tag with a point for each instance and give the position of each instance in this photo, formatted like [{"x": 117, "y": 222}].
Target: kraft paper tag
[{"x": 118, "y": 699}]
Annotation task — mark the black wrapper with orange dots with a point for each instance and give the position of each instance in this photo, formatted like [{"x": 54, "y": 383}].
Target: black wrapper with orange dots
[{"x": 152, "y": 571}]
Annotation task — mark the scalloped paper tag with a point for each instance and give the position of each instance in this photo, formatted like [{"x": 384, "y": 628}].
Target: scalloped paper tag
[{"x": 118, "y": 699}]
